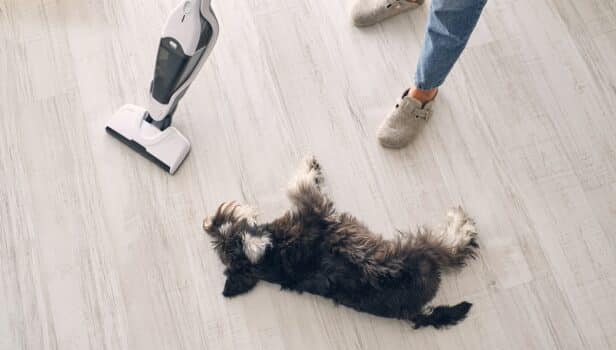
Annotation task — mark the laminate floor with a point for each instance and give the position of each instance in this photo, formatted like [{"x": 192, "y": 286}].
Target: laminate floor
[{"x": 99, "y": 249}]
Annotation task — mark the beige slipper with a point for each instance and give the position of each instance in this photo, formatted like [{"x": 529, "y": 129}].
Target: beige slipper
[
  {"x": 368, "y": 12},
  {"x": 407, "y": 119}
]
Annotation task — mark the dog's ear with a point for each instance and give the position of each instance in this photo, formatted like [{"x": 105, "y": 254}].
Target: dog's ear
[
  {"x": 227, "y": 215},
  {"x": 255, "y": 246},
  {"x": 239, "y": 283}
]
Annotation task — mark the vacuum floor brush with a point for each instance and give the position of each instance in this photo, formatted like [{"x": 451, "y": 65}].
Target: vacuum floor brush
[{"x": 188, "y": 39}]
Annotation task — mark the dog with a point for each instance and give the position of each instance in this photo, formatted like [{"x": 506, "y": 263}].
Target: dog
[{"x": 313, "y": 248}]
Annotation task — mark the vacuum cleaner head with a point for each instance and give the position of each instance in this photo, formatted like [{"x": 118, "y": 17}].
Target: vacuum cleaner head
[{"x": 167, "y": 148}]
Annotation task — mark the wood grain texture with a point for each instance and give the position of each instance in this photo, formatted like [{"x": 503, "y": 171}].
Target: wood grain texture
[{"x": 99, "y": 249}]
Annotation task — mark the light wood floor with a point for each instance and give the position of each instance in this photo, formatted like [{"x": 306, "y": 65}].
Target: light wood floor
[{"x": 99, "y": 249}]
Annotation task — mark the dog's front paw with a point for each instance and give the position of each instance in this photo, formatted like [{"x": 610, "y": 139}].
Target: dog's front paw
[
  {"x": 308, "y": 174},
  {"x": 312, "y": 169}
]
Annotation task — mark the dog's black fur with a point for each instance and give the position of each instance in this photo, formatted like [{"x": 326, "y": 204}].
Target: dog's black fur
[{"x": 314, "y": 249}]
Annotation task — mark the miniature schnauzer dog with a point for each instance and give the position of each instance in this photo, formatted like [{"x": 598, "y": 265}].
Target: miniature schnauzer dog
[{"x": 313, "y": 248}]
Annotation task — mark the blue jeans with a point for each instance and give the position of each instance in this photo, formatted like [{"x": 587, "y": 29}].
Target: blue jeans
[{"x": 450, "y": 25}]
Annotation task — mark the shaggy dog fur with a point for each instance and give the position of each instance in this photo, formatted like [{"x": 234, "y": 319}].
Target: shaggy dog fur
[{"x": 313, "y": 248}]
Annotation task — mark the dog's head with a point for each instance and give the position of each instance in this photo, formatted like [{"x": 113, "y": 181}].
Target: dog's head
[{"x": 236, "y": 236}]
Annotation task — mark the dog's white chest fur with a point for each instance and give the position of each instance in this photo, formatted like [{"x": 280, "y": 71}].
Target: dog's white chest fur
[{"x": 254, "y": 247}]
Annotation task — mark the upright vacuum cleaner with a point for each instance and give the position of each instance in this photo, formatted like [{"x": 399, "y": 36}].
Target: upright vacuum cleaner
[{"x": 188, "y": 39}]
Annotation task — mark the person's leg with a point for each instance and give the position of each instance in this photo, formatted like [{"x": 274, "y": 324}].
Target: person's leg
[{"x": 450, "y": 25}]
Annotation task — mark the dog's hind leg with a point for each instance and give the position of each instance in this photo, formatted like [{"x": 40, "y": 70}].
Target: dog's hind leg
[
  {"x": 450, "y": 246},
  {"x": 460, "y": 232},
  {"x": 304, "y": 190}
]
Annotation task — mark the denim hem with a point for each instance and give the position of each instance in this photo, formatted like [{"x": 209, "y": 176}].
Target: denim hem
[{"x": 424, "y": 86}]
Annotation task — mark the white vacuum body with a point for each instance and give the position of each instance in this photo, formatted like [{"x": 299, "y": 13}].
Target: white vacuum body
[{"x": 189, "y": 36}]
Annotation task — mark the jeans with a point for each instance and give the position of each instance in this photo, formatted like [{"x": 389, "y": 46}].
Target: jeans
[{"x": 450, "y": 25}]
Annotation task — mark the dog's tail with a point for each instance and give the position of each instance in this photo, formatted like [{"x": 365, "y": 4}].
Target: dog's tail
[{"x": 441, "y": 316}]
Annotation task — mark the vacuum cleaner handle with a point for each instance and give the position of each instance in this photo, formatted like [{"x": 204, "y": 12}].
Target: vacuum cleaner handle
[
  {"x": 206, "y": 6},
  {"x": 190, "y": 33}
]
